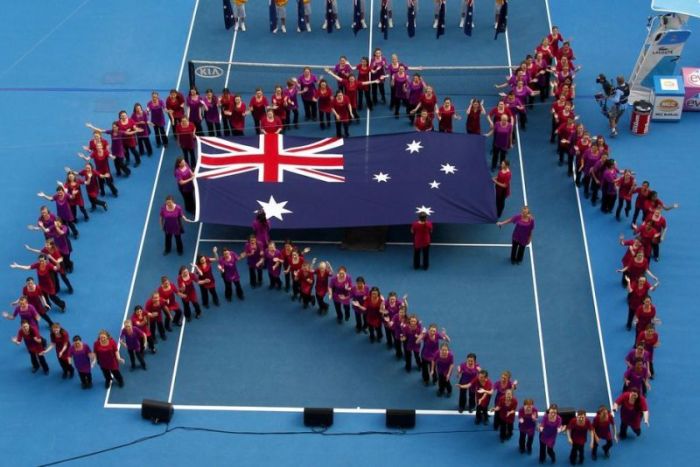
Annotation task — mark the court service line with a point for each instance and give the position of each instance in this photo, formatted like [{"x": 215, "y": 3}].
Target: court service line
[
  {"x": 155, "y": 185},
  {"x": 369, "y": 57},
  {"x": 196, "y": 245},
  {"x": 532, "y": 249},
  {"x": 588, "y": 264},
  {"x": 335, "y": 242}
]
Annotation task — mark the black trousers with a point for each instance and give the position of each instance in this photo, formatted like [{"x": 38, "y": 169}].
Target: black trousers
[
  {"x": 55, "y": 299},
  {"x": 525, "y": 442},
  {"x": 95, "y": 201},
  {"x": 134, "y": 355},
  {"x": 85, "y": 379},
  {"x": 292, "y": 118},
  {"x": 595, "y": 188},
  {"x": 161, "y": 139},
  {"x": 364, "y": 93},
  {"x": 378, "y": 88},
  {"x": 109, "y": 374},
  {"x": 375, "y": 333},
  {"x": 342, "y": 128},
  {"x": 325, "y": 118},
  {"x": 444, "y": 385},
  {"x": 188, "y": 198},
  {"x": 46, "y": 317},
  {"x": 227, "y": 126},
  {"x": 169, "y": 243},
  {"x": 576, "y": 453},
  {"x": 482, "y": 415},
  {"x": 287, "y": 280},
  {"x": 398, "y": 346},
  {"x": 228, "y": 289},
  {"x": 498, "y": 155},
  {"x": 66, "y": 367},
  {"x": 389, "y": 337},
  {"x": 74, "y": 209},
  {"x": 517, "y": 252},
  {"x": 198, "y": 126},
  {"x": 587, "y": 185},
  {"x": 544, "y": 451},
  {"x": 275, "y": 281},
  {"x": 500, "y": 201},
  {"x": 628, "y": 207},
  {"x": 132, "y": 150},
  {"x": 623, "y": 430},
  {"x": 190, "y": 158},
  {"x": 161, "y": 329},
  {"x": 110, "y": 183},
  {"x": 606, "y": 448},
  {"x": 637, "y": 210},
  {"x": 310, "y": 110},
  {"x": 145, "y": 145},
  {"x": 320, "y": 300},
  {"x": 409, "y": 356},
  {"x": 187, "y": 305},
  {"x": 425, "y": 371},
  {"x": 213, "y": 128},
  {"x": 360, "y": 321},
  {"x": 425, "y": 253},
  {"x": 255, "y": 275},
  {"x": 345, "y": 311},
  {"x": 505, "y": 430},
  {"x": 205, "y": 292},
  {"x": 37, "y": 361},
  {"x": 397, "y": 103},
  {"x": 607, "y": 202},
  {"x": 467, "y": 400}
]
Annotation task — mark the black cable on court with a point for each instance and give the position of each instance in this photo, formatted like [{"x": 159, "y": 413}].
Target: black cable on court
[{"x": 313, "y": 431}]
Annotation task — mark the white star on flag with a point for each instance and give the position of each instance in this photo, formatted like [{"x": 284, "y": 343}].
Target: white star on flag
[
  {"x": 424, "y": 209},
  {"x": 414, "y": 146},
  {"x": 274, "y": 209},
  {"x": 381, "y": 177},
  {"x": 448, "y": 169},
  {"x": 434, "y": 184}
]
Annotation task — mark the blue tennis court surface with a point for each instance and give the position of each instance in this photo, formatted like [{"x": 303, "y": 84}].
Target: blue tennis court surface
[{"x": 543, "y": 320}]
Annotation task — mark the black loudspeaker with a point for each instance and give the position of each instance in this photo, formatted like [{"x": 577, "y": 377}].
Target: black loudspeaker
[
  {"x": 566, "y": 414},
  {"x": 318, "y": 417},
  {"x": 397, "y": 418},
  {"x": 157, "y": 411}
]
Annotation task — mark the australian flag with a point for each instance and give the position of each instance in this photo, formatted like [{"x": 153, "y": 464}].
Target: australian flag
[
  {"x": 331, "y": 182},
  {"x": 229, "y": 21},
  {"x": 356, "y": 17},
  {"x": 441, "y": 20},
  {"x": 330, "y": 17},
  {"x": 411, "y": 18},
  {"x": 469, "y": 20},
  {"x": 384, "y": 20},
  {"x": 502, "y": 20},
  {"x": 301, "y": 19},
  {"x": 273, "y": 16}
]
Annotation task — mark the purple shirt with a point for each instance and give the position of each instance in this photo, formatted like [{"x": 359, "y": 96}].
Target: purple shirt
[
  {"x": 393, "y": 309},
  {"x": 609, "y": 176},
  {"x": 310, "y": 86},
  {"x": 81, "y": 358},
  {"x": 632, "y": 356},
  {"x": 230, "y": 269},
  {"x": 291, "y": 95},
  {"x": 400, "y": 88},
  {"x": 343, "y": 70},
  {"x": 141, "y": 121},
  {"x": 415, "y": 91},
  {"x": 360, "y": 296},
  {"x": 430, "y": 346},
  {"x": 157, "y": 113},
  {"x": 529, "y": 422},
  {"x": 341, "y": 290},
  {"x": 63, "y": 208},
  {"x": 523, "y": 230},
  {"x": 501, "y": 388},
  {"x": 412, "y": 337},
  {"x": 60, "y": 238},
  {"x": 636, "y": 380},
  {"x": 269, "y": 262},
  {"x": 117, "y": 147},
  {"x": 589, "y": 160},
  {"x": 30, "y": 314},
  {"x": 548, "y": 435},
  {"x": 378, "y": 67},
  {"x": 171, "y": 220},
  {"x": 501, "y": 135},
  {"x": 195, "y": 105},
  {"x": 253, "y": 254},
  {"x": 183, "y": 174},
  {"x": 212, "y": 112},
  {"x": 262, "y": 233},
  {"x": 134, "y": 339},
  {"x": 443, "y": 364},
  {"x": 468, "y": 374}
]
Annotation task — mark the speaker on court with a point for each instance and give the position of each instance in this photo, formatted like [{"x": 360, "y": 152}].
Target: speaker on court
[
  {"x": 566, "y": 414},
  {"x": 399, "y": 418},
  {"x": 314, "y": 416},
  {"x": 157, "y": 411}
]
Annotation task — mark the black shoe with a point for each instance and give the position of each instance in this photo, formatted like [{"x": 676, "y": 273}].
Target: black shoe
[
  {"x": 107, "y": 384},
  {"x": 121, "y": 384},
  {"x": 64, "y": 375},
  {"x": 105, "y": 207},
  {"x": 132, "y": 368}
]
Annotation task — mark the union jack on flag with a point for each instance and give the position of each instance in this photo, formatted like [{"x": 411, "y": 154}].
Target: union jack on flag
[{"x": 220, "y": 158}]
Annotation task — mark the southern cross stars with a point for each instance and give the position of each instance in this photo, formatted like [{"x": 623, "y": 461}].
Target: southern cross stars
[
  {"x": 414, "y": 147},
  {"x": 381, "y": 177},
  {"x": 448, "y": 168}
]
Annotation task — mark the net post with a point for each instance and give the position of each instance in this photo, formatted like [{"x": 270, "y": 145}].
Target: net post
[{"x": 191, "y": 74}]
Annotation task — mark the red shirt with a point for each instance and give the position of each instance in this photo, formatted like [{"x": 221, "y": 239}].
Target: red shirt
[
  {"x": 186, "y": 287},
  {"x": 602, "y": 427},
  {"x": 176, "y": 105},
  {"x": 635, "y": 270},
  {"x": 45, "y": 278},
  {"x": 322, "y": 282},
  {"x": 324, "y": 99},
  {"x": 185, "y": 135},
  {"x": 579, "y": 433},
  {"x": 168, "y": 297},
  {"x": 155, "y": 312},
  {"x": 34, "y": 298},
  {"x": 129, "y": 141},
  {"x": 649, "y": 343},
  {"x": 374, "y": 315},
  {"x": 445, "y": 118},
  {"x": 495, "y": 114},
  {"x": 268, "y": 127},
  {"x": 474, "y": 121},
  {"x": 644, "y": 317},
  {"x": 428, "y": 103},
  {"x": 238, "y": 117},
  {"x": 141, "y": 323},
  {"x": 363, "y": 75},
  {"x": 421, "y": 233},
  {"x": 281, "y": 107},
  {"x": 306, "y": 281},
  {"x": 32, "y": 340},
  {"x": 92, "y": 186},
  {"x": 488, "y": 386},
  {"x": 257, "y": 107},
  {"x": 625, "y": 188},
  {"x": 636, "y": 296},
  {"x": 424, "y": 125},
  {"x": 505, "y": 408},
  {"x": 342, "y": 108},
  {"x": 504, "y": 177},
  {"x": 61, "y": 341},
  {"x": 106, "y": 354}
]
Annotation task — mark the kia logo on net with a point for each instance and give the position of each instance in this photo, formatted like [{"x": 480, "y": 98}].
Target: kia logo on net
[{"x": 208, "y": 71}]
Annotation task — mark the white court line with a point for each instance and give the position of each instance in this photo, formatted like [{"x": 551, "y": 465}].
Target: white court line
[
  {"x": 263, "y": 409},
  {"x": 196, "y": 245},
  {"x": 588, "y": 263},
  {"x": 369, "y": 56},
  {"x": 532, "y": 250},
  {"x": 155, "y": 185},
  {"x": 335, "y": 242}
]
